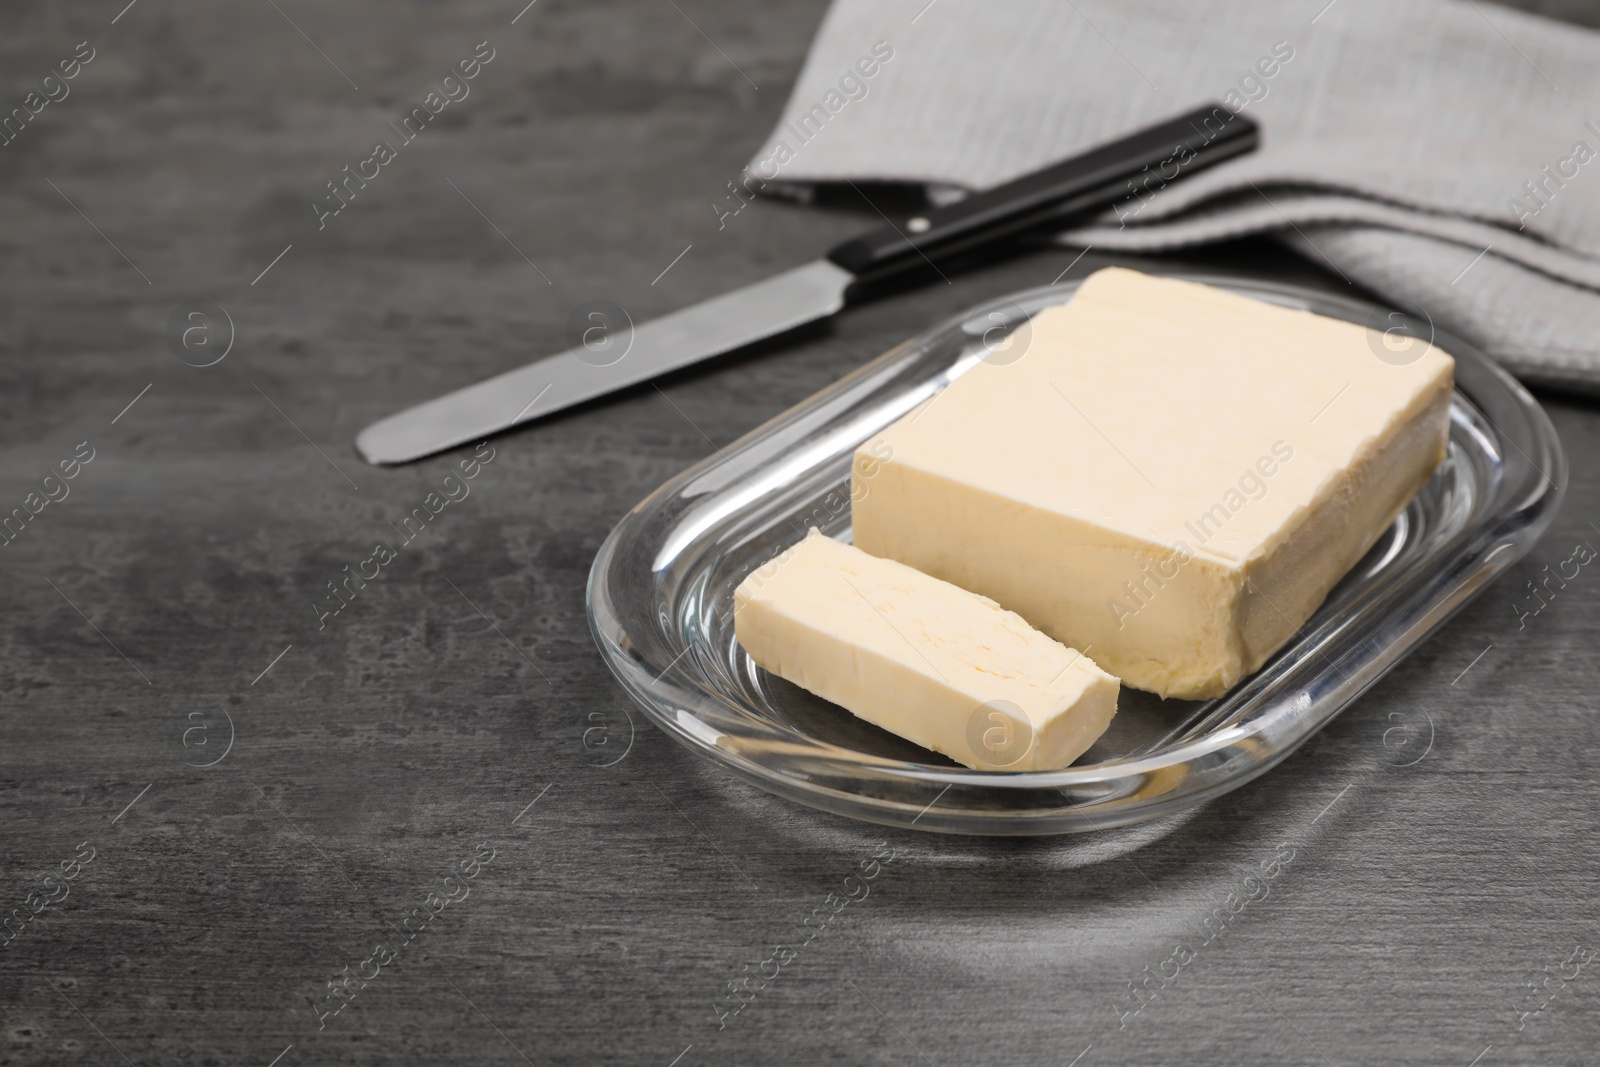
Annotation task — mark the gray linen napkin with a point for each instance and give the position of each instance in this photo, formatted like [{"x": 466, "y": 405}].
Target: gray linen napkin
[{"x": 1442, "y": 153}]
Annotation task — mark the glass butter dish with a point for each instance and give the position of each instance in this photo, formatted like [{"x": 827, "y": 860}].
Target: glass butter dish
[{"x": 661, "y": 603}]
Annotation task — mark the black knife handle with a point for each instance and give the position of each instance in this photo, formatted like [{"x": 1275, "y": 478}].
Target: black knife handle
[{"x": 1137, "y": 166}]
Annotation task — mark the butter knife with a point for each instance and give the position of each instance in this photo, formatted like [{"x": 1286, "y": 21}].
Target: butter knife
[{"x": 1133, "y": 167}]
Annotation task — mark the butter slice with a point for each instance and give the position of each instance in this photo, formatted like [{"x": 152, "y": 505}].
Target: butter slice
[
  {"x": 937, "y": 665},
  {"x": 1166, "y": 475}
]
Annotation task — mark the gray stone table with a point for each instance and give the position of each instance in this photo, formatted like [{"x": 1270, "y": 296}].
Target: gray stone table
[{"x": 201, "y": 897}]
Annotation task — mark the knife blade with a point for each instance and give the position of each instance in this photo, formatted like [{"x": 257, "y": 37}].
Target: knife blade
[
  {"x": 720, "y": 324},
  {"x": 1135, "y": 166}
]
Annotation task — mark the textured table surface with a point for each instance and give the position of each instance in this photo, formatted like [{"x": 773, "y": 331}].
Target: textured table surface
[{"x": 236, "y": 798}]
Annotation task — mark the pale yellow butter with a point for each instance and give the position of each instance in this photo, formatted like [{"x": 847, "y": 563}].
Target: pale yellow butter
[
  {"x": 1166, "y": 475},
  {"x": 937, "y": 665}
]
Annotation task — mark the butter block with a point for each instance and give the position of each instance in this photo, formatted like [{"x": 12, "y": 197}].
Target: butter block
[
  {"x": 1166, "y": 475},
  {"x": 937, "y": 665}
]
